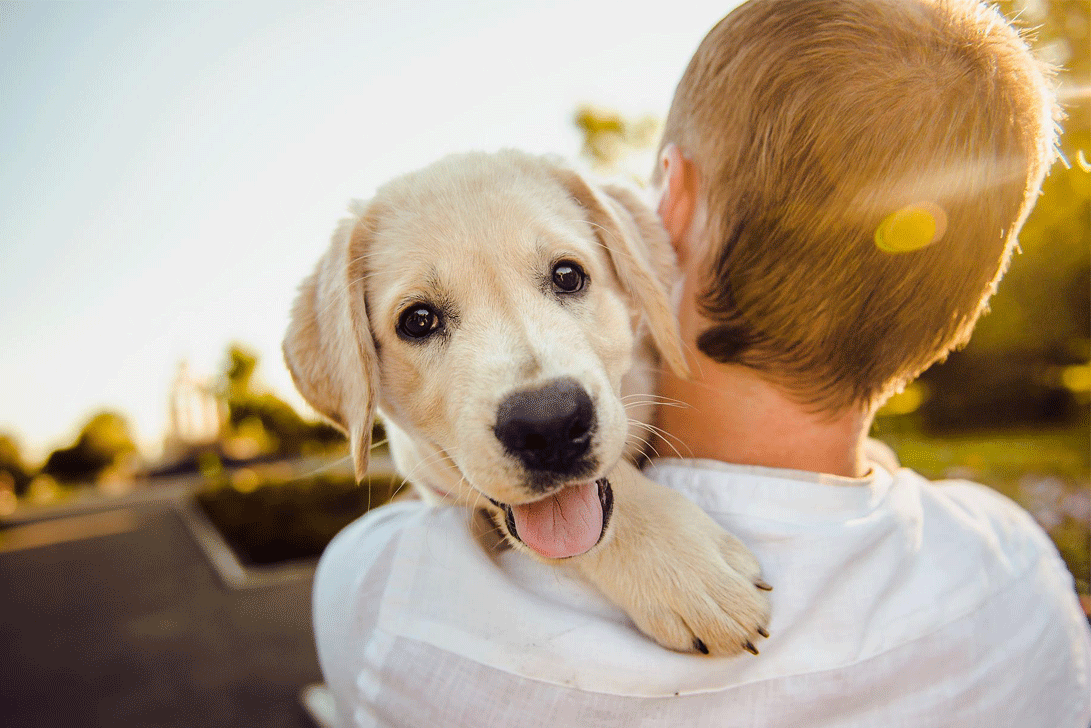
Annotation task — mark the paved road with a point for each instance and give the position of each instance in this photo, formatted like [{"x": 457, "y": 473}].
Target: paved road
[{"x": 116, "y": 619}]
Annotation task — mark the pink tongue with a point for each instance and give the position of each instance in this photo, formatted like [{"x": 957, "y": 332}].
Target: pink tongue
[{"x": 565, "y": 524}]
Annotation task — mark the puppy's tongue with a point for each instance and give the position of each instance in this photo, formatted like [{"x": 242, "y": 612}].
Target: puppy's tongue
[{"x": 567, "y": 523}]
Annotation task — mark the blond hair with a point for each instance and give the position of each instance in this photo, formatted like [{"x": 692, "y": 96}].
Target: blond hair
[{"x": 813, "y": 126}]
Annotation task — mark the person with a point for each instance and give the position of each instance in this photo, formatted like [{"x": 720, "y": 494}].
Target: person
[{"x": 843, "y": 182}]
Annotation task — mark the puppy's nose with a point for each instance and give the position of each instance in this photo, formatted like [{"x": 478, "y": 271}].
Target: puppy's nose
[{"x": 548, "y": 428}]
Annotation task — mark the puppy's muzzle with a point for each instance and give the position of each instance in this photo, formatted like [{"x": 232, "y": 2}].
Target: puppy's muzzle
[{"x": 549, "y": 429}]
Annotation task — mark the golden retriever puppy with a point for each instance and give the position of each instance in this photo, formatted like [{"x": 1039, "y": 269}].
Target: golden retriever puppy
[{"x": 499, "y": 312}]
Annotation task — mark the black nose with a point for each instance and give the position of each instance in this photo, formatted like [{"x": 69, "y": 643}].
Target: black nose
[{"x": 548, "y": 428}]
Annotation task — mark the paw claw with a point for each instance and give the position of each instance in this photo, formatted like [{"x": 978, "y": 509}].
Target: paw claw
[
  {"x": 700, "y": 646},
  {"x": 762, "y": 585},
  {"x": 750, "y": 648},
  {"x": 762, "y": 632}
]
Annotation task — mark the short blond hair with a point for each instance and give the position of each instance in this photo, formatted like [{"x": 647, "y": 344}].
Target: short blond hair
[{"x": 810, "y": 125}]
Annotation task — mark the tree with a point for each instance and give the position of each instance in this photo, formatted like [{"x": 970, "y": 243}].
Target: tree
[
  {"x": 11, "y": 463},
  {"x": 272, "y": 424},
  {"x": 610, "y": 140},
  {"x": 102, "y": 443}
]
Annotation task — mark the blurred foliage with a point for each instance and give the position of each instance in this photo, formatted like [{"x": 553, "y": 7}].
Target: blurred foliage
[
  {"x": 261, "y": 517},
  {"x": 261, "y": 424},
  {"x": 18, "y": 474},
  {"x": 610, "y": 140},
  {"x": 104, "y": 443}
]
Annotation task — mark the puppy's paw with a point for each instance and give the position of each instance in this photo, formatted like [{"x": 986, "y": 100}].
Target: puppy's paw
[
  {"x": 712, "y": 602},
  {"x": 683, "y": 580}
]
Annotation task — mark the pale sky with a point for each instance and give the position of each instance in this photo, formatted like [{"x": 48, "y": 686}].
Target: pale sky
[{"x": 169, "y": 172}]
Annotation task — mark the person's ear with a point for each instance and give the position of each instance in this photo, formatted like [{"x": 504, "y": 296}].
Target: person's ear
[{"x": 678, "y": 197}]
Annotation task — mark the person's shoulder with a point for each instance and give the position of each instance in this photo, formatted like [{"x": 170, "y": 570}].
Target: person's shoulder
[
  {"x": 374, "y": 530},
  {"x": 982, "y": 512},
  {"x": 374, "y": 559},
  {"x": 994, "y": 573},
  {"x": 362, "y": 544},
  {"x": 982, "y": 543}
]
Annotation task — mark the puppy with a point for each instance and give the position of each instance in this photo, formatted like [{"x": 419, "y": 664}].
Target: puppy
[{"x": 498, "y": 312}]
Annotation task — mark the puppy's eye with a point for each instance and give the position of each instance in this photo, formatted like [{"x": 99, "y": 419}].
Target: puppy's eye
[
  {"x": 568, "y": 277},
  {"x": 418, "y": 321}
]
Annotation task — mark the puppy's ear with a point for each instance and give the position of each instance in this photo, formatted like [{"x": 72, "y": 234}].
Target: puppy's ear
[
  {"x": 642, "y": 256},
  {"x": 328, "y": 348}
]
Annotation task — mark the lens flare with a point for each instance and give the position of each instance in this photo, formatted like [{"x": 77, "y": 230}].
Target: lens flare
[{"x": 911, "y": 228}]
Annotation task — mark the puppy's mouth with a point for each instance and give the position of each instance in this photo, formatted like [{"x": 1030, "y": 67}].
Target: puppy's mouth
[{"x": 566, "y": 523}]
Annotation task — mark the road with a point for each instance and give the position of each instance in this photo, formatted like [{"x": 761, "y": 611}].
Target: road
[{"x": 113, "y": 616}]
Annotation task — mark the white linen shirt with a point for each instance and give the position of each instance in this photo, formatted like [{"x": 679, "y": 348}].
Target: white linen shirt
[{"x": 898, "y": 603}]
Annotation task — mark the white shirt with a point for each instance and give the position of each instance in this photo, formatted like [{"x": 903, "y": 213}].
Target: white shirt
[{"x": 898, "y": 603}]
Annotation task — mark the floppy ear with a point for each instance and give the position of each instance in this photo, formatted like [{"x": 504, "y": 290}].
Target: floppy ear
[
  {"x": 328, "y": 347},
  {"x": 642, "y": 256}
]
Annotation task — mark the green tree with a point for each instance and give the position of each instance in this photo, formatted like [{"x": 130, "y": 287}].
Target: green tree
[
  {"x": 271, "y": 420},
  {"x": 609, "y": 138},
  {"x": 12, "y": 463},
  {"x": 102, "y": 443}
]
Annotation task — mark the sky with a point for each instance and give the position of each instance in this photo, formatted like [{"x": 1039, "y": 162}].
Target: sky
[{"x": 169, "y": 172}]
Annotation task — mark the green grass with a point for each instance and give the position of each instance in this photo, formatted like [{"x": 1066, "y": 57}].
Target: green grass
[{"x": 997, "y": 458}]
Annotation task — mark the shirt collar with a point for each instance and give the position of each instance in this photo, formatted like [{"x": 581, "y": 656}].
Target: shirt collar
[{"x": 773, "y": 493}]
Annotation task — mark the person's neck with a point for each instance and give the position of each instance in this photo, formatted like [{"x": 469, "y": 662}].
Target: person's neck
[{"x": 730, "y": 413}]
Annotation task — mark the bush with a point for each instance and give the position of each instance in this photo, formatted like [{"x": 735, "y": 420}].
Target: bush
[
  {"x": 103, "y": 442},
  {"x": 11, "y": 462},
  {"x": 274, "y": 520}
]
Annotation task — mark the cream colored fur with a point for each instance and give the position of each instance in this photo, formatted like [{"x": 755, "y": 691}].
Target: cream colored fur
[{"x": 477, "y": 234}]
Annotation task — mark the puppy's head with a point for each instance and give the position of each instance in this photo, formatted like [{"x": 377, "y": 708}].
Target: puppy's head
[{"x": 489, "y": 306}]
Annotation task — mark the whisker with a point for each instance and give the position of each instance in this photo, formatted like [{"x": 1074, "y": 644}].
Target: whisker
[
  {"x": 616, "y": 249},
  {"x": 472, "y": 507},
  {"x": 429, "y": 460},
  {"x": 494, "y": 529},
  {"x": 645, "y": 444},
  {"x": 325, "y": 468},
  {"x": 644, "y": 402},
  {"x": 397, "y": 490},
  {"x": 364, "y": 256},
  {"x": 345, "y": 287},
  {"x": 656, "y": 398},
  {"x": 361, "y": 279},
  {"x": 664, "y": 435},
  {"x": 650, "y": 395},
  {"x": 668, "y": 437}
]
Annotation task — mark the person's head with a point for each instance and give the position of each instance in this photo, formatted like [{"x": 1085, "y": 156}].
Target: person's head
[{"x": 859, "y": 169}]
